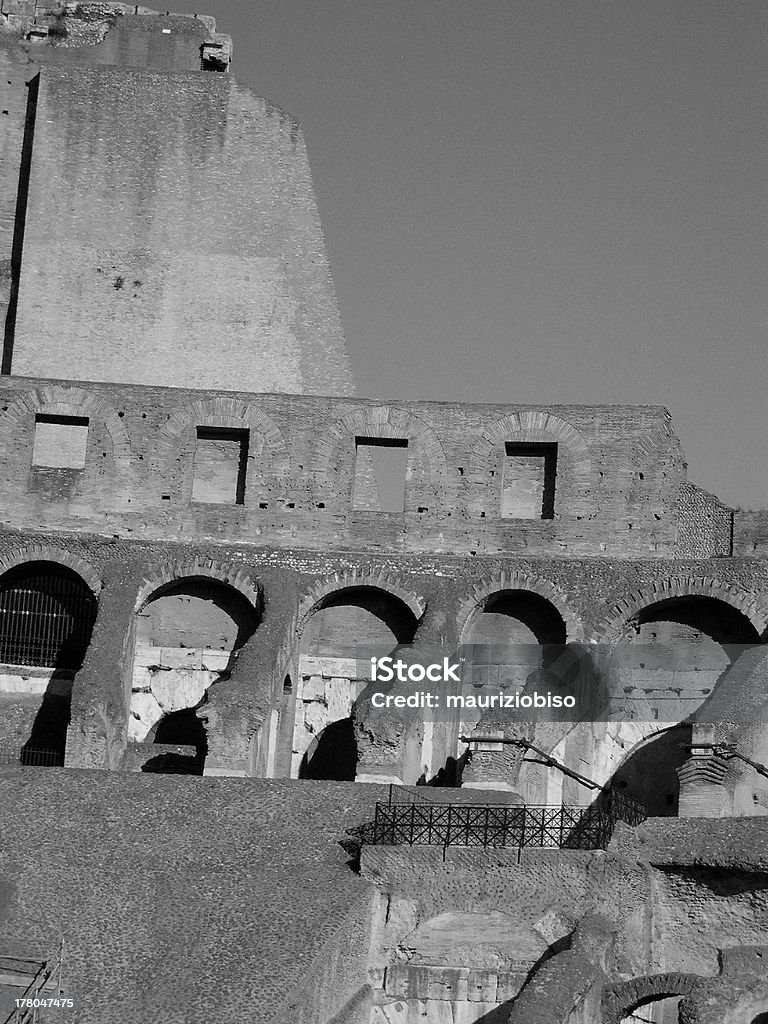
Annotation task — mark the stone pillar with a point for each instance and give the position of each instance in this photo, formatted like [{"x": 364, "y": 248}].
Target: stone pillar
[
  {"x": 98, "y": 731},
  {"x": 410, "y": 745}
]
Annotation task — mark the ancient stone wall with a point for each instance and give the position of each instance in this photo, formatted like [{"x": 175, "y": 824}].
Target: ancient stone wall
[
  {"x": 172, "y": 237},
  {"x": 288, "y": 468},
  {"x": 293, "y": 585}
]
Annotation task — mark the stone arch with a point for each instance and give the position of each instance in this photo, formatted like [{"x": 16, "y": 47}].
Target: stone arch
[
  {"x": 619, "y": 622},
  {"x": 234, "y": 576},
  {"x": 49, "y": 553},
  {"x": 385, "y": 421},
  {"x": 190, "y": 622},
  {"x": 531, "y": 425},
  {"x": 623, "y": 998},
  {"x": 352, "y": 580},
  {"x": 647, "y": 772},
  {"x": 655, "y": 445},
  {"x": 268, "y": 461},
  {"x": 222, "y": 411},
  {"x": 61, "y": 400},
  {"x": 48, "y": 608},
  {"x": 483, "y": 591},
  {"x": 341, "y": 624}
]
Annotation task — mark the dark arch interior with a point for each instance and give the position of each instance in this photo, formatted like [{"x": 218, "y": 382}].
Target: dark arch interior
[
  {"x": 335, "y": 756},
  {"x": 396, "y": 615},
  {"x": 357, "y": 621},
  {"x": 761, "y": 1018},
  {"x": 47, "y": 613},
  {"x": 533, "y": 610},
  {"x": 718, "y": 620},
  {"x": 179, "y": 728},
  {"x": 203, "y": 594},
  {"x": 649, "y": 774}
]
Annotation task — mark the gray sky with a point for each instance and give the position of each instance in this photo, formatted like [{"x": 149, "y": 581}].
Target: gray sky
[{"x": 539, "y": 201}]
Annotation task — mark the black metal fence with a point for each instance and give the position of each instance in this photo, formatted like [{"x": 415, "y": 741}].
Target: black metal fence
[
  {"x": 35, "y": 757},
  {"x": 45, "y": 619},
  {"x": 501, "y": 825}
]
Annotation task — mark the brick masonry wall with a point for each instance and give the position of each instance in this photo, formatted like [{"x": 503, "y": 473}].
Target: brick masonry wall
[
  {"x": 292, "y": 583},
  {"x": 620, "y": 472},
  {"x": 705, "y": 524}
]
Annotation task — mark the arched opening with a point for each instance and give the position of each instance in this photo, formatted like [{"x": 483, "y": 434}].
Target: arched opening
[
  {"x": 186, "y": 635},
  {"x": 649, "y": 773},
  {"x": 333, "y": 755},
  {"x": 346, "y": 629},
  {"x": 680, "y": 649},
  {"x": 47, "y": 613},
  {"x": 508, "y": 639},
  {"x": 761, "y": 1018},
  {"x": 513, "y": 633}
]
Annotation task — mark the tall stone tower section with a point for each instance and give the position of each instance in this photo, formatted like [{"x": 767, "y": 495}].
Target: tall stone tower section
[{"x": 164, "y": 229}]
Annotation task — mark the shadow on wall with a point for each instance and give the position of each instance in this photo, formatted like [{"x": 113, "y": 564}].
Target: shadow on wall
[
  {"x": 47, "y": 613},
  {"x": 334, "y": 757},
  {"x": 181, "y": 729},
  {"x": 649, "y": 773},
  {"x": 187, "y": 637}
]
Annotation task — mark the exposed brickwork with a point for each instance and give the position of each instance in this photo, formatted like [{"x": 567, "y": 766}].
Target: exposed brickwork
[
  {"x": 163, "y": 272},
  {"x": 299, "y": 476}
]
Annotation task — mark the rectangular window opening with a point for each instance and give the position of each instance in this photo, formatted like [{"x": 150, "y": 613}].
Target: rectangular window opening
[
  {"x": 380, "y": 468},
  {"x": 221, "y": 461},
  {"x": 528, "y": 481},
  {"x": 60, "y": 441}
]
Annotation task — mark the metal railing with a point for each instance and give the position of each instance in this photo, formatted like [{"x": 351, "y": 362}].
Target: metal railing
[
  {"x": 500, "y": 825},
  {"x": 32, "y": 995},
  {"x": 36, "y": 757},
  {"x": 45, "y": 620}
]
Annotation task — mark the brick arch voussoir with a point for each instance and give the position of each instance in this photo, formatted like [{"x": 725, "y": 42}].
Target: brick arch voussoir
[
  {"x": 47, "y": 553},
  {"x": 522, "y": 425},
  {"x": 625, "y": 611},
  {"x": 382, "y": 421},
  {"x": 223, "y": 411},
  {"x": 352, "y": 580},
  {"x": 61, "y": 400},
  {"x": 620, "y": 999},
  {"x": 515, "y": 580},
  {"x": 230, "y": 575}
]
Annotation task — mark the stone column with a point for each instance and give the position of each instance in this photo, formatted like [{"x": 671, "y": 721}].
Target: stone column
[{"x": 98, "y": 731}]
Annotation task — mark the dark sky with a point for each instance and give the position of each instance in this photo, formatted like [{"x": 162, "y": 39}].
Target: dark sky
[{"x": 541, "y": 202}]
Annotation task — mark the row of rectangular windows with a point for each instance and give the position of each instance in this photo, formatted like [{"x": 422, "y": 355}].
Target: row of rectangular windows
[{"x": 221, "y": 460}]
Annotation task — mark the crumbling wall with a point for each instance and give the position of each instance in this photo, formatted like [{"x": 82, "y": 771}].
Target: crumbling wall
[
  {"x": 705, "y": 524},
  {"x": 140, "y": 472}
]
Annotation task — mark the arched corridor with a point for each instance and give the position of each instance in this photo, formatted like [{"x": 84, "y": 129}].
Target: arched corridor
[
  {"x": 47, "y": 613},
  {"x": 345, "y": 630},
  {"x": 186, "y": 634}
]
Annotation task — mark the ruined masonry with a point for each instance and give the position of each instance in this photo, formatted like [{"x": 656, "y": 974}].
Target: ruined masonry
[{"x": 205, "y": 537}]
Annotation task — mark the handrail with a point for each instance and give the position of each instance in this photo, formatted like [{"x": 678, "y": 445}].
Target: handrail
[{"x": 29, "y": 1014}]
